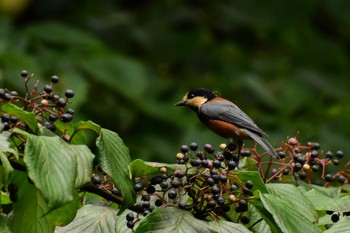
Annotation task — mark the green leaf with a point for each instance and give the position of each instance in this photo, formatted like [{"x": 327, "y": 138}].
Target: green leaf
[
  {"x": 92, "y": 218},
  {"x": 254, "y": 176},
  {"x": 173, "y": 220},
  {"x": 6, "y": 168},
  {"x": 66, "y": 213},
  {"x": 266, "y": 215},
  {"x": 343, "y": 225},
  {"x": 84, "y": 163},
  {"x": 114, "y": 159},
  {"x": 229, "y": 227},
  {"x": 3, "y": 224},
  {"x": 82, "y": 125},
  {"x": 139, "y": 168},
  {"x": 52, "y": 167},
  {"x": 28, "y": 213},
  {"x": 296, "y": 199},
  {"x": 322, "y": 202},
  {"x": 26, "y": 117},
  {"x": 287, "y": 217}
]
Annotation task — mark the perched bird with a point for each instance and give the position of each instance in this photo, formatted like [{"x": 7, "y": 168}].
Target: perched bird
[{"x": 225, "y": 118}]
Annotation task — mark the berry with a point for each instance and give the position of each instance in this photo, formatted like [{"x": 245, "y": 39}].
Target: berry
[
  {"x": 96, "y": 180},
  {"x": 66, "y": 117},
  {"x": 52, "y": 117},
  {"x": 116, "y": 192},
  {"x": 315, "y": 167},
  {"x": 335, "y": 218},
  {"x": 215, "y": 178},
  {"x": 196, "y": 162},
  {"x": 7, "y": 96},
  {"x": 130, "y": 217},
  {"x": 12, "y": 188},
  {"x": 156, "y": 180},
  {"x": 274, "y": 171},
  {"x": 297, "y": 167},
  {"x": 5, "y": 126},
  {"x": 220, "y": 201},
  {"x": 146, "y": 204},
  {"x": 55, "y": 79},
  {"x": 158, "y": 202},
  {"x": 249, "y": 184},
  {"x": 138, "y": 186},
  {"x": 328, "y": 177},
  {"x": 231, "y": 165},
  {"x": 61, "y": 102},
  {"x": 246, "y": 153},
  {"x": 163, "y": 170},
  {"x": 5, "y": 118},
  {"x": 232, "y": 198},
  {"x": 172, "y": 194},
  {"x": 223, "y": 179},
  {"x": 164, "y": 185},
  {"x": 306, "y": 166},
  {"x": 336, "y": 162},
  {"x": 339, "y": 154},
  {"x": 193, "y": 146},
  {"x": 184, "y": 148},
  {"x": 150, "y": 189},
  {"x": 217, "y": 163},
  {"x": 314, "y": 154},
  {"x": 48, "y": 89},
  {"x": 233, "y": 187},
  {"x": 293, "y": 141},
  {"x": 243, "y": 205},
  {"x": 315, "y": 146},
  {"x": 209, "y": 148},
  {"x": 14, "y": 93},
  {"x": 50, "y": 126},
  {"x": 13, "y": 119},
  {"x": 69, "y": 93},
  {"x": 341, "y": 179},
  {"x": 281, "y": 154},
  {"x": 180, "y": 156},
  {"x": 244, "y": 220},
  {"x": 24, "y": 74},
  {"x": 130, "y": 224},
  {"x": 204, "y": 163},
  {"x": 210, "y": 181},
  {"x": 329, "y": 155},
  {"x": 222, "y": 146},
  {"x": 302, "y": 175},
  {"x": 175, "y": 184},
  {"x": 179, "y": 173},
  {"x": 231, "y": 147},
  {"x": 215, "y": 190},
  {"x": 329, "y": 212},
  {"x": 70, "y": 111},
  {"x": 247, "y": 191}
]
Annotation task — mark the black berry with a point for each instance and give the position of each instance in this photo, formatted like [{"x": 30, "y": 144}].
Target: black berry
[
  {"x": 96, "y": 180},
  {"x": 54, "y": 79},
  {"x": 193, "y": 146},
  {"x": 138, "y": 186},
  {"x": 66, "y": 117},
  {"x": 48, "y": 89},
  {"x": 329, "y": 155},
  {"x": 24, "y": 73},
  {"x": 249, "y": 184},
  {"x": 282, "y": 154},
  {"x": 116, "y": 192},
  {"x": 328, "y": 177},
  {"x": 244, "y": 220},
  {"x": 339, "y": 154},
  {"x": 335, "y": 218},
  {"x": 231, "y": 165},
  {"x": 209, "y": 148},
  {"x": 184, "y": 148},
  {"x": 130, "y": 217},
  {"x": 61, "y": 102},
  {"x": 172, "y": 194}
]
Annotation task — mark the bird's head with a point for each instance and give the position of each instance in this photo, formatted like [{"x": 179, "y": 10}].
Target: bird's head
[{"x": 196, "y": 97}]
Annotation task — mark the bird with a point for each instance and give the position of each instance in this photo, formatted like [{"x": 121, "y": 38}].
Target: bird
[{"x": 225, "y": 118}]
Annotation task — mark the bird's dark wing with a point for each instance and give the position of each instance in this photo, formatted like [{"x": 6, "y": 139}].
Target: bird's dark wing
[{"x": 227, "y": 111}]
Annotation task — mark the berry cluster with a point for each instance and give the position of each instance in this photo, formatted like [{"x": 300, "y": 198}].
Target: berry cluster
[
  {"x": 47, "y": 106},
  {"x": 336, "y": 216},
  {"x": 308, "y": 163},
  {"x": 105, "y": 183},
  {"x": 206, "y": 187}
]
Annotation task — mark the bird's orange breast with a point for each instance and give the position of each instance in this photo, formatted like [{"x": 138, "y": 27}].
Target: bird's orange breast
[{"x": 225, "y": 129}]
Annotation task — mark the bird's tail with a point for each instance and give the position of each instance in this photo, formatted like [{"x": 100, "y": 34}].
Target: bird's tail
[{"x": 262, "y": 142}]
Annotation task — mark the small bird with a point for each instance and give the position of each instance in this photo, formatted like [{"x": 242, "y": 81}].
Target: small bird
[{"x": 225, "y": 118}]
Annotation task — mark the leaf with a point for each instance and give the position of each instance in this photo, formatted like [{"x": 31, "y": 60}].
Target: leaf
[
  {"x": 3, "y": 224},
  {"x": 266, "y": 215},
  {"x": 81, "y": 125},
  {"x": 173, "y": 220},
  {"x": 254, "y": 176},
  {"x": 343, "y": 225},
  {"x": 26, "y": 117},
  {"x": 84, "y": 159},
  {"x": 296, "y": 199},
  {"x": 6, "y": 168},
  {"x": 28, "y": 213},
  {"x": 92, "y": 218},
  {"x": 286, "y": 216},
  {"x": 139, "y": 168},
  {"x": 114, "y": 159},
  {"x": 322, "y": 202},
  {"x": 229, "y": 227},
  {"x": 52, "y": 167}
]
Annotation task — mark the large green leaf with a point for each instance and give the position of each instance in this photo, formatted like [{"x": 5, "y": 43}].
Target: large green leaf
[
  {"x": 114, "y": 159},
  {"x": 26, "y": 117},
  {"x": 52, "y": 166},
  {"x": 3, "y": 224},
  {"x": 28, "y": 213},
  {"x": 93, "y": 218},
  {"x": 139, "y": 168},
  {"x": 296, "y": 199},
  {"x": 175, "y": 220},
  {"x": 321, "y": 201},
  {"x": 288, "y": 218},
  {"x": 84, "y": 163},
  {"x": 343, "y": 225}
]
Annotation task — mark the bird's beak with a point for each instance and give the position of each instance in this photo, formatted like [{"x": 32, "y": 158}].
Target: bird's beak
[{"x": 180, "y": 103}]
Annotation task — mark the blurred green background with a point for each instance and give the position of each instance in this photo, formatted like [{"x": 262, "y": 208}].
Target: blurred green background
[{"x": 285, "y": 63}]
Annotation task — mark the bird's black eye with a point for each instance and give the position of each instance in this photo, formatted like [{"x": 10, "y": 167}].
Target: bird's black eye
[{"x": 190, "y": 95}]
